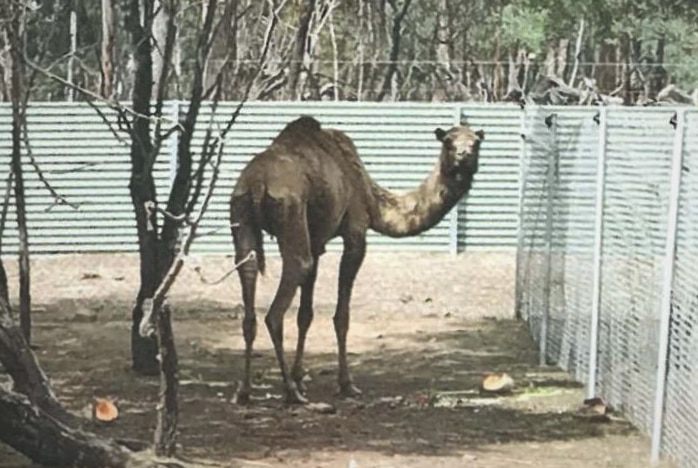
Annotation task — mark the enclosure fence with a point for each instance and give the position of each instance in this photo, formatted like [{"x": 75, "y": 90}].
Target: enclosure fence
[
  {"x": 87, "y": 162},
  {"x": 607, "y": 265},
  {"x": 601, "y": 205}
]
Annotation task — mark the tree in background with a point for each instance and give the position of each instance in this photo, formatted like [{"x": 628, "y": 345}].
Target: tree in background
[{"x": 398, "y": 50}]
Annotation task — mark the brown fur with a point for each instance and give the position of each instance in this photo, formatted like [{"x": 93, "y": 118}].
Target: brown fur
[{"x": 310, "y": 186}]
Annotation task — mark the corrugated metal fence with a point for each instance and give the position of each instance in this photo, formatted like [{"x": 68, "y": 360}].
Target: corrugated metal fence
[
  {"x": 89, "y": 166},
  {"x": 606, "y": 272}
]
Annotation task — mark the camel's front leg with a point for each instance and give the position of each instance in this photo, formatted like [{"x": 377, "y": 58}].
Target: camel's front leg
[
  {"x": 304, "y": 319},
  {"x": 353, "y": 256}
]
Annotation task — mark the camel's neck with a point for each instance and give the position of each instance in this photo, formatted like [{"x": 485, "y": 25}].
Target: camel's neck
[{"x": 402, "y": 215}]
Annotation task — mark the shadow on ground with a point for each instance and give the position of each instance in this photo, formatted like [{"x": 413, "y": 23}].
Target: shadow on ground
[{"x": 420, "y": 384}]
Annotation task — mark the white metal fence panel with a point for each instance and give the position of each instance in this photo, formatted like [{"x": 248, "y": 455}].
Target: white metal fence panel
[
  {"x": 81, "y": 157},
  {"x": 487, "y": 218},
  {"x": 638, "y": 181},
  {"x": 607, "y": 251},
  {"x": 681, "y": 405},
  {"x": 535, "y": 232}
]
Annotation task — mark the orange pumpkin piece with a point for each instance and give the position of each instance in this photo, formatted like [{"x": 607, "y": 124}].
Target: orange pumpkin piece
[{"x": 105, "y": 410}]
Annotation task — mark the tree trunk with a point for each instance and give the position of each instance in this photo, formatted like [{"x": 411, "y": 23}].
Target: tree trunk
[
  {"x": 605, "y": 72},
  {"x": 46, "y": 440},
  {"x": 395, "y": 37},
  {"x": 20, "y": 363},
  {"x": 160, "y": 30},
  {"x": 625, "y": 53},
  {"x": 658, "y": 79},
  {"x": 443, "y": 54},
  {"x": 14, "y": 40},
  {"x": 107, "y": 85},
  {"x": 34, "y": 423},
  {"x": 295, "y": 88},
  {"x": 142, "y": 189},
  {"x": 231, "y": 26},
  {"x": 166, "y": 429}
]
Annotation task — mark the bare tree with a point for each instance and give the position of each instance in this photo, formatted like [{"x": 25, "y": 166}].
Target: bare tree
[
  {"x": 160, "y": 248},
  {"x": 13, "y": 13}
]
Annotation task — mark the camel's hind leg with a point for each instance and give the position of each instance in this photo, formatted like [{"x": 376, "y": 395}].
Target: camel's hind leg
[
  {"x": 304, "y": 319},
  {"x": 246, "y": 239},
  {"x": 352, "y": 258},
  {"x": 298, "y": 264}
]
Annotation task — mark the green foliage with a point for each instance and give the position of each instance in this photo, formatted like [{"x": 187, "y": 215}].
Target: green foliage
[{"x": 525, "y": 26}]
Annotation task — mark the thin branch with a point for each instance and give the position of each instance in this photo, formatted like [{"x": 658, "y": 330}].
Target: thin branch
[
  {"x": 151, "y": 207},
  {"x": 577, "y": 52},
  {"x": 106, "y": 120},
  {"x": 161, "y": 81},
  {"x": 112, "y": 103},
  {"x": 58, "y": 198},
  {"x": 215, "y": 230},
  {"x": 81, "y": 167},
  {"x": 250, "y": 256},
  {"x": 6, "y": 205}
]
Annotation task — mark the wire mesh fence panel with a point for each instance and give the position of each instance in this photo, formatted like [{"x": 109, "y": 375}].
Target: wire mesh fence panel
[
  {"x": 638, "y": 167},
  {"x": 556, "y": 240},
  {"x": 535, "y": 193},
  {"x": 577, "y": 137},
  {"x": 681, "y": 406}
]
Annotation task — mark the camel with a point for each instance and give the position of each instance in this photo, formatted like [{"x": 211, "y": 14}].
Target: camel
[{"x": 308, "y": 187}]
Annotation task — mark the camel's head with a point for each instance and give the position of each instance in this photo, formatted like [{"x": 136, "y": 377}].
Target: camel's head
[{"x": 459, "y": 151}]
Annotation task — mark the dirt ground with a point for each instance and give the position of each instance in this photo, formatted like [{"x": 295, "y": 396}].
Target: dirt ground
[{"x": 424, "y": 328}]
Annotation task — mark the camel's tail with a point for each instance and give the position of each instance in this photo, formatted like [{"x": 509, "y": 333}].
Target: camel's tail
[{"x": 246, "y": 220}]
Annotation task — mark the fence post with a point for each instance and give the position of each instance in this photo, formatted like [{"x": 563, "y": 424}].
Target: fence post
[
  {"x": 453, "y": 229},
  {"x": 667, "y": 283},
  {"x": 172, "y": 143},
  {"x": 599, "y": 203},
  {"x": 551, "y": 183},
  {"x": 453, "y": 216},
  {"x": 520, "y": 233}
]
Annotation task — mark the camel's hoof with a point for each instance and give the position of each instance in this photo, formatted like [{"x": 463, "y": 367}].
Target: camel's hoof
[
  {"x": 147, "y": 370},
  {"x": 294, "y": 397},
  {"x": 242, "y": 397},
  {"x": 302, "y": 387},
  {"x": 349, "y": 391}
]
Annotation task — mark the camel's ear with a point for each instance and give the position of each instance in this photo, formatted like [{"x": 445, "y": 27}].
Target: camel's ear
[
  {"x": 440, "y": 134},
  {"x": 480, "y": 134}
]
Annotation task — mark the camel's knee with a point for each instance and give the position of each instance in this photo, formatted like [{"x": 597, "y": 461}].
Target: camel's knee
[
  {"x": 341, "y": 322},
  {"x": 274, "y": 325},
  {"x": 305, "y": 317},
  {"x": 305, "y": 268},
  {"x": 297, "y": 270}
]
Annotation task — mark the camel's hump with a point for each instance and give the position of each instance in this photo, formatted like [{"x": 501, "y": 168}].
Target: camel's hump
[{"x": 303, "y": 124}]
